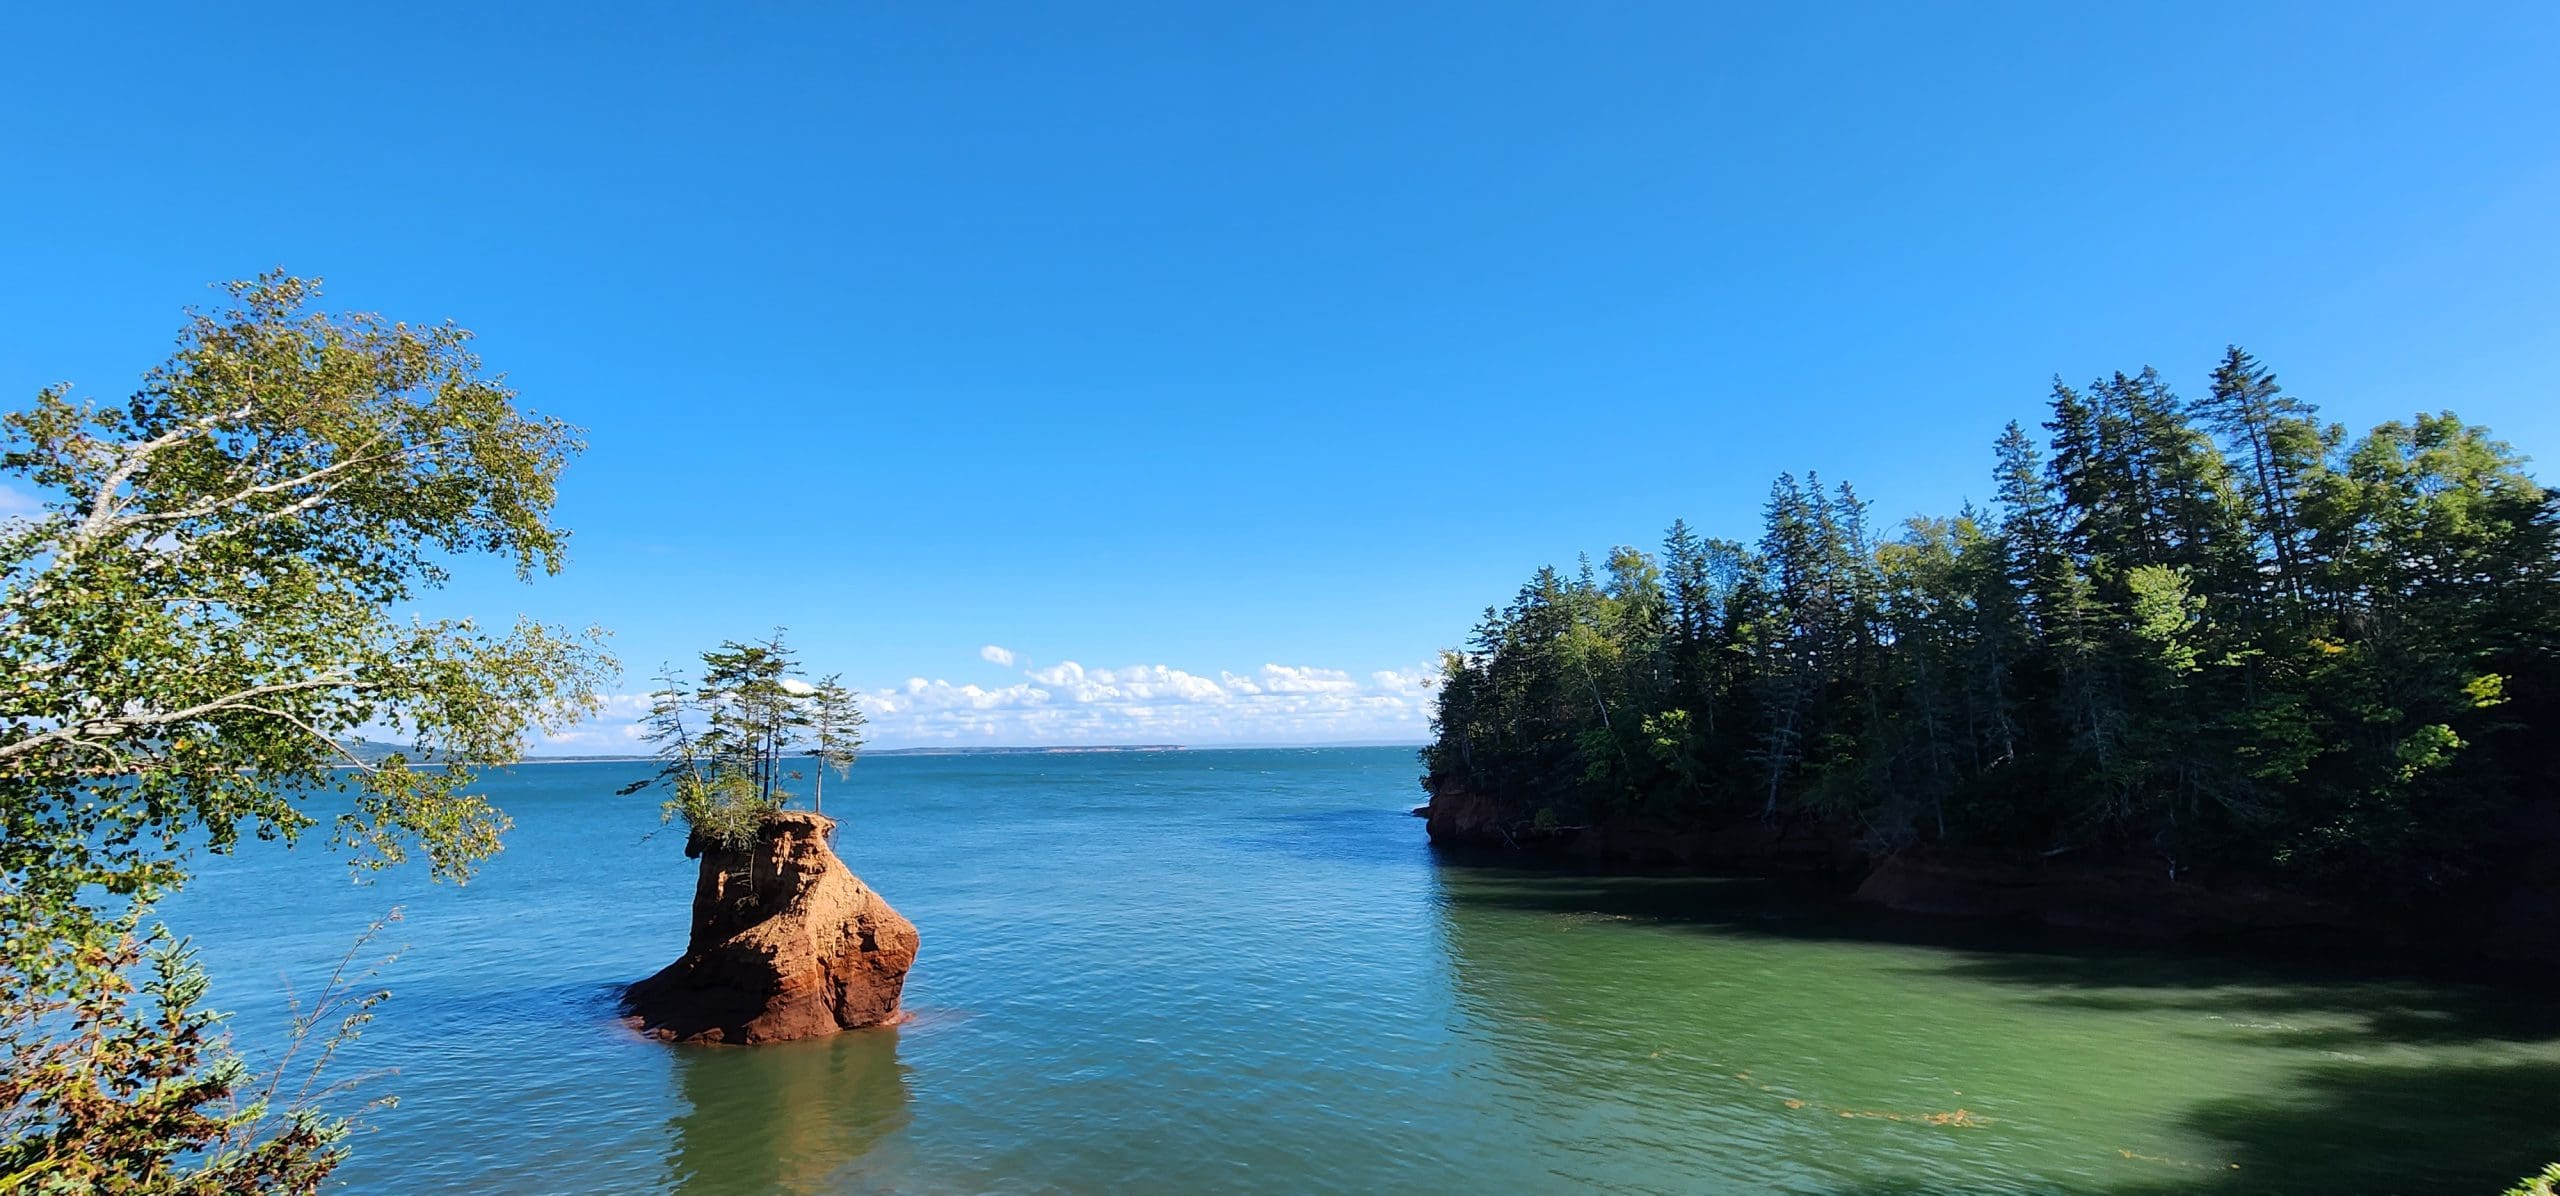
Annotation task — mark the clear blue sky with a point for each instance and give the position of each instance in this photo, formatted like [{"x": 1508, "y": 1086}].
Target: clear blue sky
[{"x": 1206, "y": 338}]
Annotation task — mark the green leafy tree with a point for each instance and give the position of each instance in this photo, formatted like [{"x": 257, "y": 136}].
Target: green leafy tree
[{"x": 194, "y": 631}]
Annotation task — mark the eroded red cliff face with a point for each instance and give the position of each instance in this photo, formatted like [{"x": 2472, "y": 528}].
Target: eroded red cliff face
[{"x": 787, "y": 943}]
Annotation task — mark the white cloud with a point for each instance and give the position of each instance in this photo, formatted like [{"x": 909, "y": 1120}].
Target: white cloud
[
  {"x": 1419, "y": 681},
  {"x": 15, "y": 502},
  {"x": 1068, "y": 704},
  {"x": 595, "y": 740},
  {"x": 1143, "y": 682},
  {"x": 1289, "y": 679},
  {"x": 616, "y": 731},
  {"x": 996, "y": 656}
]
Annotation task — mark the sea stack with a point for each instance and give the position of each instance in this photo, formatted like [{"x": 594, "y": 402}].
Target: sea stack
[{"x": 787, "y": 943}]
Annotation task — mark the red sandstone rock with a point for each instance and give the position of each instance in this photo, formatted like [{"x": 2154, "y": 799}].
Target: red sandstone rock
[{"x": 787, "y": 943}]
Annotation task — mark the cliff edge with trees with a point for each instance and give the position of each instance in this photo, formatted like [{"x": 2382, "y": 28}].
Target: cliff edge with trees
[{"x": 2209, "y": 651}]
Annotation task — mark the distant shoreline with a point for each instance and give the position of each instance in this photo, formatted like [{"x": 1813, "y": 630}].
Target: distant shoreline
[{"x": 1034, "y": 750}]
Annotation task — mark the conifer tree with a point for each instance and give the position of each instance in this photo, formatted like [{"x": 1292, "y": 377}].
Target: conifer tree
[{"x": 2273, "y": 652}]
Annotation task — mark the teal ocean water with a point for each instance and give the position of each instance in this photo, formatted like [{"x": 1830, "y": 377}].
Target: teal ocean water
[{"x": 1217, "y": 971}]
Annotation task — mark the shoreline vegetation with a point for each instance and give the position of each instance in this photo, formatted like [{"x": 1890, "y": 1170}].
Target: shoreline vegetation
[
  {"x": 2206, "y": 667},
  {"x": 200, "y": 615}
]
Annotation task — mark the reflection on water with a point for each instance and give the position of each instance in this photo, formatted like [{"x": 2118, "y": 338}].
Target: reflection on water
[
  {"x": 1759, "y": 1039},
  {"x": 787, "y": 1117}
]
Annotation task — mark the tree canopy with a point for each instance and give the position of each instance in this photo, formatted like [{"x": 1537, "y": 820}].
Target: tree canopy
[
  {"x": 199, "y": 626},
  {"x": 725, "y": 742},
  {"x": 2210, "y": 634}
]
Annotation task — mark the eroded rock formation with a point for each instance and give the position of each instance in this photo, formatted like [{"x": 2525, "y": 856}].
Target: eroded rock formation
[{"x": 787, "y": 943}]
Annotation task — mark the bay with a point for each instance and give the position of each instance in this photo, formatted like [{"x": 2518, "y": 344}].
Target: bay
[{"x": 1244, "y": 970}]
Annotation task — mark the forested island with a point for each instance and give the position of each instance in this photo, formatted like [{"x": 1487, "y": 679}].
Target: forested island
[{"x": 2201, "y": 662}]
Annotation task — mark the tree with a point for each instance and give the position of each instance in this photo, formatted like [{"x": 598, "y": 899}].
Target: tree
[
  {"x": 199, "y": 623},
  {"x": 125, "y": 1086},
  {"x": 1792, "y": 545},
  {"x": 835, "y": 730},
  {"x": 723, "y": 743},
  {"x": 2338, "y": 663},
  {"x": 2278, "y": 445}
]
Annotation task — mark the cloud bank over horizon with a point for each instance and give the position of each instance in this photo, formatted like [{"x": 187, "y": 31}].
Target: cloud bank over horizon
[{"x": 1066, "y": 704}]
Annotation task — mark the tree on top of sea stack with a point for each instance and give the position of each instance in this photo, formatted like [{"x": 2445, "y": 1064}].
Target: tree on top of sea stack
[
  {"x": 786, "y": 941},
  {"x": 723, "y": 743}
]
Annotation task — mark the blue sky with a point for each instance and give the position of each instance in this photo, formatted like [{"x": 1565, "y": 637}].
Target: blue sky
[{"x": 1239, "y": 357}]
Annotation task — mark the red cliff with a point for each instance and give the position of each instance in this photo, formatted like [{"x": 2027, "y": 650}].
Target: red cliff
[{"x": 787, "y": 943}]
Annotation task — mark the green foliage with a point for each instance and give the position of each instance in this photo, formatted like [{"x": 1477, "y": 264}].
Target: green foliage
[
  {"x": 196, "y": 630},
  {"x": 724, "y": 744},
  {"x": 721, "y": 805},
  {"x": 2215, "y": 636},
  {"x": 2545, "y": 1184},
  {"x": 125, "y": 1086}
]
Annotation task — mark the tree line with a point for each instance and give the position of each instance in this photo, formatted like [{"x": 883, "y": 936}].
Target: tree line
[{"x": 2210, "y": 635}]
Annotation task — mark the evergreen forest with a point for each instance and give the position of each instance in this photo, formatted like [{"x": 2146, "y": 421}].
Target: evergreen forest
[{"x": 2210, "y": 635}]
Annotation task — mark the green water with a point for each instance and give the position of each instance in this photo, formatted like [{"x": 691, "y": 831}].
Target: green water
[{"x": 1244, "y": 971}]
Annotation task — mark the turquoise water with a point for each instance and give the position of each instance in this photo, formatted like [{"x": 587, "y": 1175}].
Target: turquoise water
[{"x": 1244, "y": 971}]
